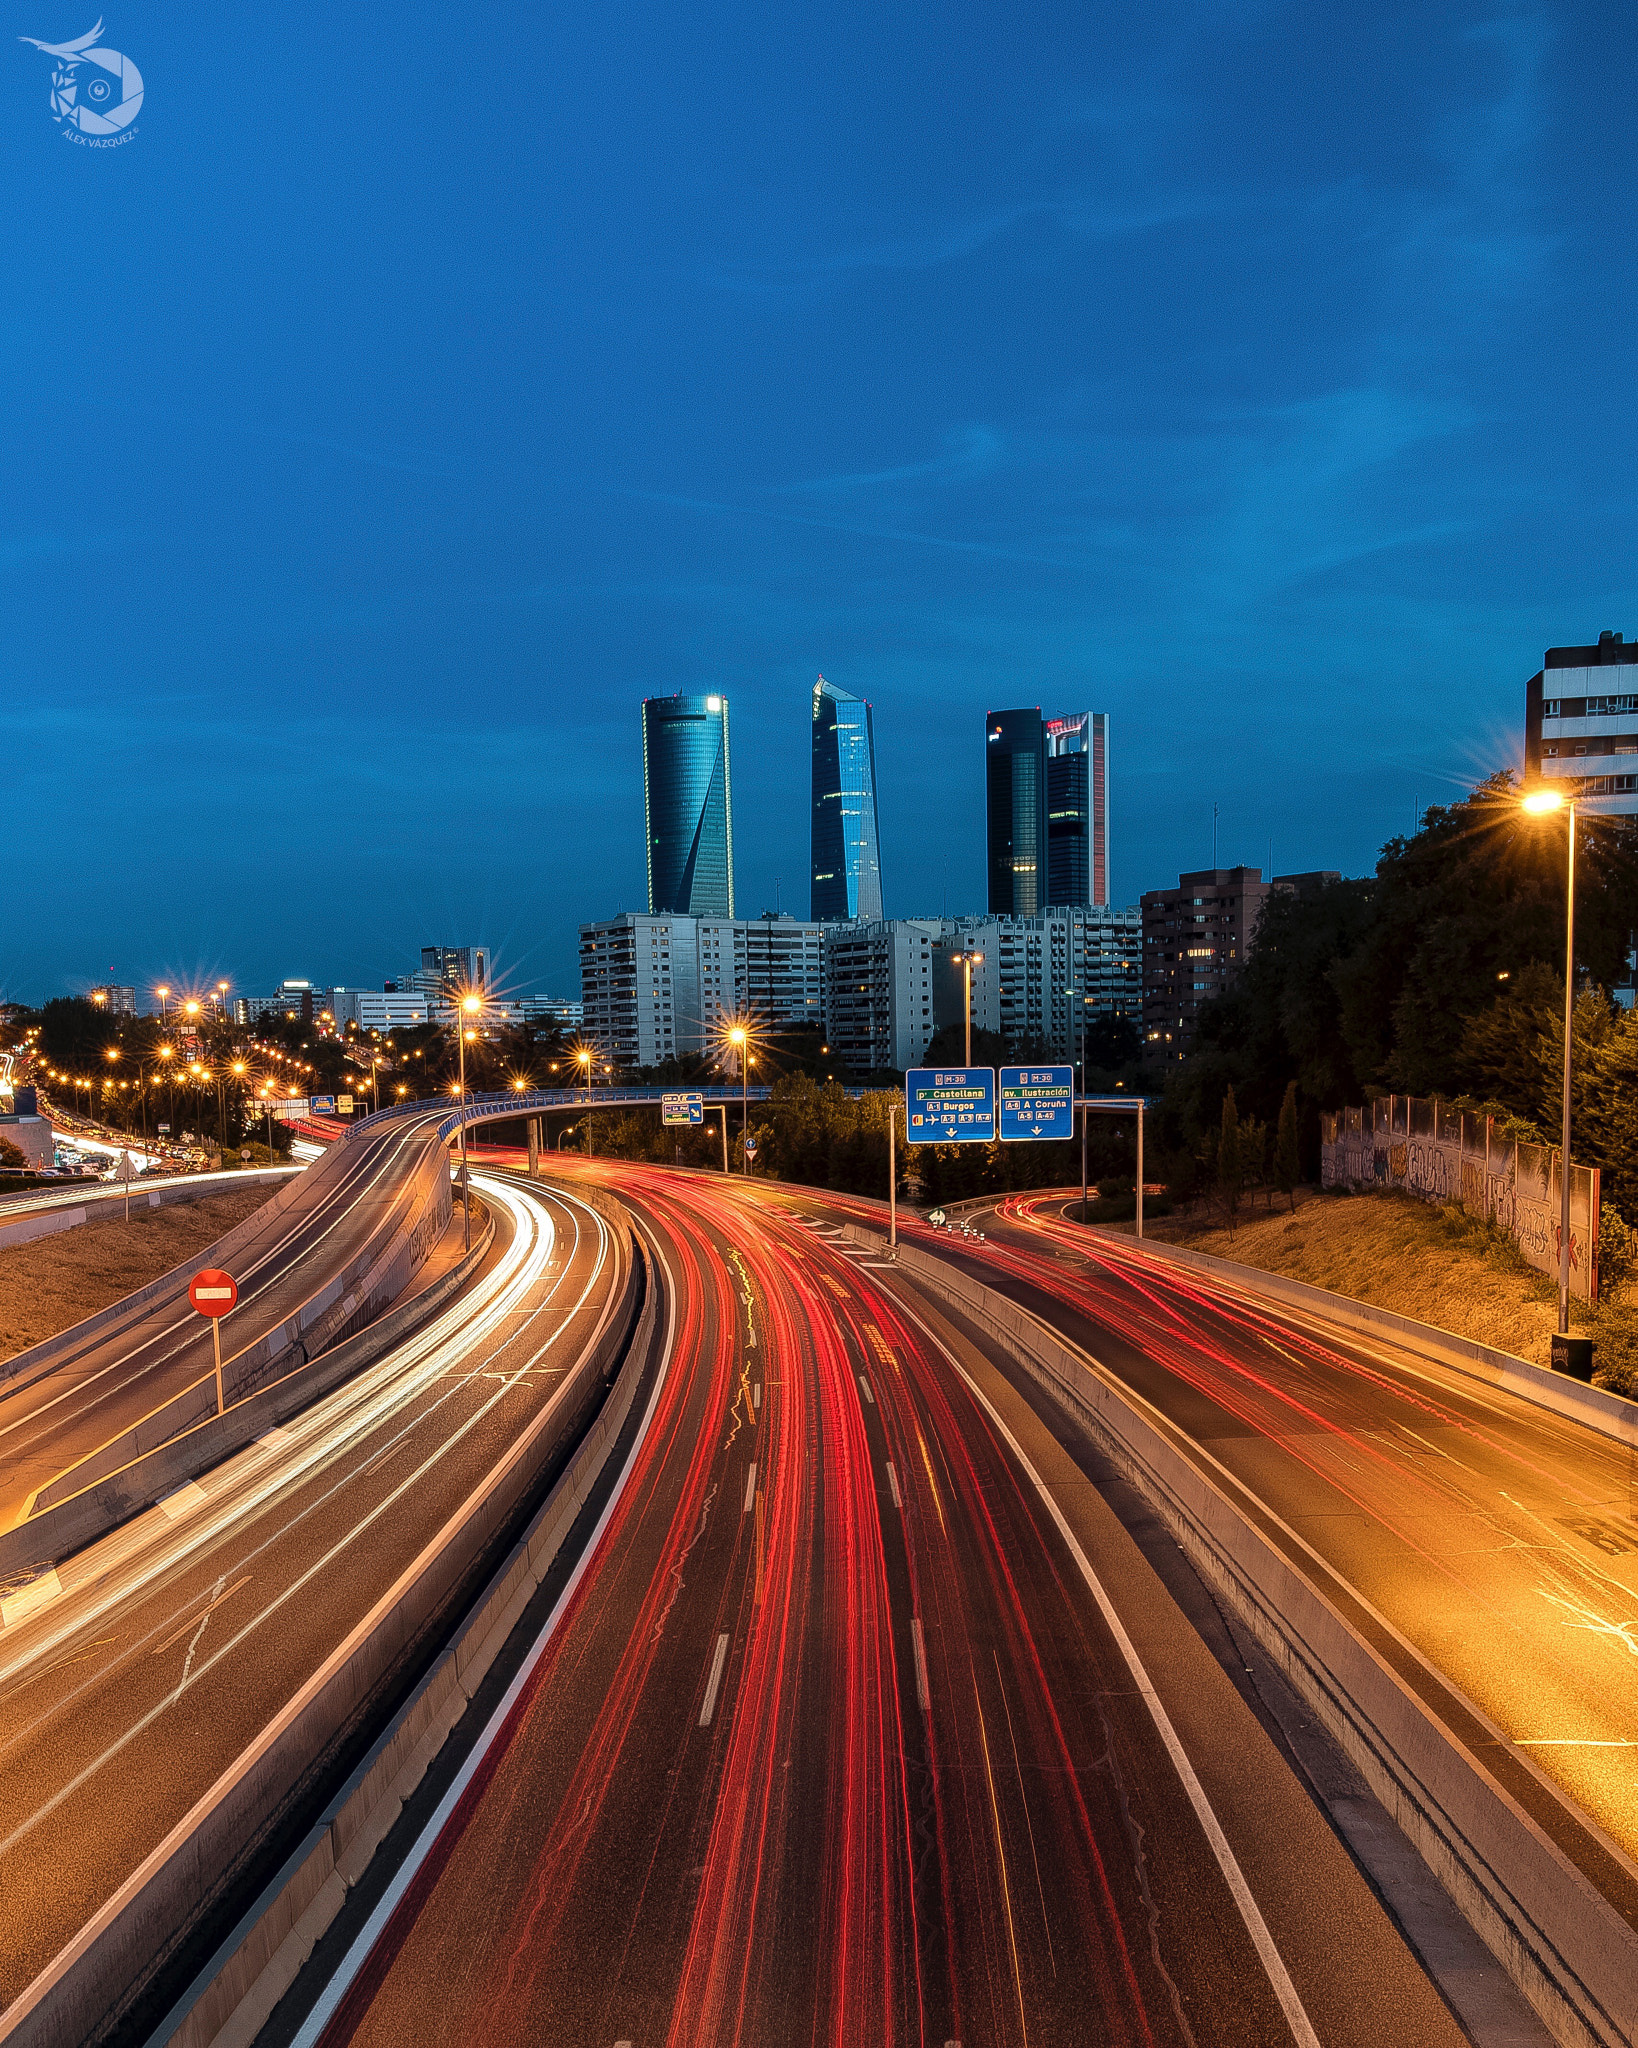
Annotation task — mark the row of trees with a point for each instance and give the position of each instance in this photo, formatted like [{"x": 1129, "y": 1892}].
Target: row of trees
[{"x": 1436, "y": 976}]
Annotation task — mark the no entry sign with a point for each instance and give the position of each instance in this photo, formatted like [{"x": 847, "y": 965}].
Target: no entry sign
[{"x": 213, "y": 1292}]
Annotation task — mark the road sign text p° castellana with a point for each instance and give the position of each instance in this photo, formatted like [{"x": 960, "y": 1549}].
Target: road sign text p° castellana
[{"x": 950, "y": 1105}]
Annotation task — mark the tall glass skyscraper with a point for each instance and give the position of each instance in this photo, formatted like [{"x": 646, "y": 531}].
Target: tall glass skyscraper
[
  {"x": 688, "y": 806},
  {"x": 1016, "y": 805},
  {"x": 845, "y": 840},
  {"x": 1047, "y": 802},
  {"x": 1077, "y": 782}
]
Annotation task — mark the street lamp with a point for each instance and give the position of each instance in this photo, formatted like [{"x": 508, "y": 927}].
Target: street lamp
[
  {"x": 969, "y": 960},
  {"x": 737, "y": 1035},
  {"x": 471, "y": 1005},
  {"x": 1540, "y": 802}
]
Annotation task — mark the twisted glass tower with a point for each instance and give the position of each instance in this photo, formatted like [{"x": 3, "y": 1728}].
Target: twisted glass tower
[
  {"x": 845, "y": 842},
  {"x": 688, "y": 806}
]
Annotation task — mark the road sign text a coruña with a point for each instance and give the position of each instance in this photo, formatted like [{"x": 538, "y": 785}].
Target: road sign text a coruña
[{"x": 1037, "y": 1102}]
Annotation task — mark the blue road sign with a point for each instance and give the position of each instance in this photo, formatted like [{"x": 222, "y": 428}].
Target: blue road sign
[
  {"x": 682, "y": 1109},
  {"x": 1037, "y": 1102},
  {"x": 324, "y": 1105},
  {"x": 950, "y": 1105}
]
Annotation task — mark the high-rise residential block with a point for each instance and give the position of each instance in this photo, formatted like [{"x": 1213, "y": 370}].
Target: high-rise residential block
[
  {"x": 845, "y": 836},
  {"x": 1196, "y": 938},
  {"x": 879, "y": 992},
  {"x": 1581, "y": 724},
  {"x": 688, "y": 806},
  {"x": 653, "y": 988},
  {"x": 1043, "y": 980}
]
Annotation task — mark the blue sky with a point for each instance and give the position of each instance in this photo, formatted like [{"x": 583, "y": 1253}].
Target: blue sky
[{"x": 420, "y": 388}]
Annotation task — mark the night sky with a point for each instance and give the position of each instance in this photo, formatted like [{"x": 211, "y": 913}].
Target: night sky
[{"x": 419, "y": 388}]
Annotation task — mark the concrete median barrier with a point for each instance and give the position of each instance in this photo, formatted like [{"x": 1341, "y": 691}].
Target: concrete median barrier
[
  {"x": 89, "y": 1991},
  {"x": 1566, "y": 1946},
  {"x": 230, "y": 2001},
  {"x": 189, "y": 1437}
]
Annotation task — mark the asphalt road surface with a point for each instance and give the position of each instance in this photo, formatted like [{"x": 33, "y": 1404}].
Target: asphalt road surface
[
  {"x": 93, "y": 1388},
  {"x": 1485, "y": 1547},
  {"x": 867, "y": 1722},
  {"x": 151, "y": 1659}
]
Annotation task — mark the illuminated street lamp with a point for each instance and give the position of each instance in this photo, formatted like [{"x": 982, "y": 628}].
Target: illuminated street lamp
[
  {"x": 1541, "y": 802},
  {"x": 471, "y": 1005},
  {"x": 969, "y": 960},
  {"x": 738, "y": 1035}
]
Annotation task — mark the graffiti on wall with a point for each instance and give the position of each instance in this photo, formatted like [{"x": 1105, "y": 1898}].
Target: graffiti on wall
[{"x": 1440, "y": 1155}]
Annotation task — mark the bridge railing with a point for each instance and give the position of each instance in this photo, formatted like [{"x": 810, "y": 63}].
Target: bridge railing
[{"x": 531, "y": 1102}]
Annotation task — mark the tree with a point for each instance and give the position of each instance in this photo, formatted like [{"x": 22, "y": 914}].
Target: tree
[
  {"x": 1228, "y": 1157},
  {"x": 1287, "y": 1147}
]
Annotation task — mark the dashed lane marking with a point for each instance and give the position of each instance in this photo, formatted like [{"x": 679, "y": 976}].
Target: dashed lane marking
[{"x": 714, "y": 1681}]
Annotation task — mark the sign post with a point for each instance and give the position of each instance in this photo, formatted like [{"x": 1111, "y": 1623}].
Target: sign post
[
  {"x": 949, "y": 1105},
  {"x": 1037, "y": 1103},
  {"x": 126, "y": 1171},
  {"x": 892, "y": 1181},
  {"x": 213, "y": 1293}
]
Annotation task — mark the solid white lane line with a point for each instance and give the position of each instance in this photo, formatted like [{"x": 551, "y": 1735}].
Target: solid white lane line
[
  {"x": 36, "y": 1594},
  {"x": 351, "y": 1963},
  {"x": 1273, "y": 1964},
  {"x": 175, "y": 1505},
  {"x": 893, "y": 1488},
  {"x": 750, "y": 1491},
  {"x": 924, "y": 1697},
  {"x": 711, "y": 1684},
  {"x": 864, "y": 1388}
]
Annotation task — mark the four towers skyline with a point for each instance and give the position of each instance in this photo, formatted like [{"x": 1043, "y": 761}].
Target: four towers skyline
[{"x": 1046, "y": 809}]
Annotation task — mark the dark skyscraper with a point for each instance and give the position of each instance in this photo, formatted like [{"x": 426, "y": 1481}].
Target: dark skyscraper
[
  {"x": 1077, "y": 784},
  {"x": 688, "y": 806},
  {"x": 846, "y": 844},
  {"x": 1016, "y": 804}
]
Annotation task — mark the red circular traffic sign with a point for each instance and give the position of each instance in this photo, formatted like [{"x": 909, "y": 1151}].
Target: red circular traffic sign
[{"x": 213, "y": 1292}]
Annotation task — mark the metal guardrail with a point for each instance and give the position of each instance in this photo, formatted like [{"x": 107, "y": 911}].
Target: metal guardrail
[{"x": 486, "y": 1108}]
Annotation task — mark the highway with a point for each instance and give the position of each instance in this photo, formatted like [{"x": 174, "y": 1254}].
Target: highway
[
  {"x": 90, "y": 1390},
  {"x": 866, "y": 1722},
  {"x": 135, "y": 1674},
  {"x": 1484, "y": 1546}
]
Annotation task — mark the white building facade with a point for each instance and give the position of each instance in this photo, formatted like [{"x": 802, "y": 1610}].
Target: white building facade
[
  {"x": 879, "y": 991},
  {"x": 653, "y": 988}
]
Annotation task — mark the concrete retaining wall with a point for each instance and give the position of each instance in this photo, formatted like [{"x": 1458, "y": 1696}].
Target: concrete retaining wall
[
  {"x": 85, "y": 1992},
  {"x": 231, "y": 2001},
  {"x": 1563, "y": 1943},
  {"x": 144, "y": 1195},
  {"x": 61, "y": 1529}
]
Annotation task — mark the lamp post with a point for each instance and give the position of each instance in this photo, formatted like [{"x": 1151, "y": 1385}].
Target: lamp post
[
  {"x": 1539, "y": 803},
  {"x": 470, "y": 1006},
  {"x": 583, "y": 1058},
  {"x": 969, "y": 960},
  {"x": 737, "y": 1036}
]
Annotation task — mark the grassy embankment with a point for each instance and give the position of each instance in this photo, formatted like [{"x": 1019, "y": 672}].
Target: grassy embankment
[
  {"x": 1439, "y": 1265},
  {"x": 52, "y": 1282}
]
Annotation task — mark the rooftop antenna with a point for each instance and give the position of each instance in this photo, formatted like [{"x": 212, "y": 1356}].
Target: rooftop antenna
[{"x": 1214, "y": 838}]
